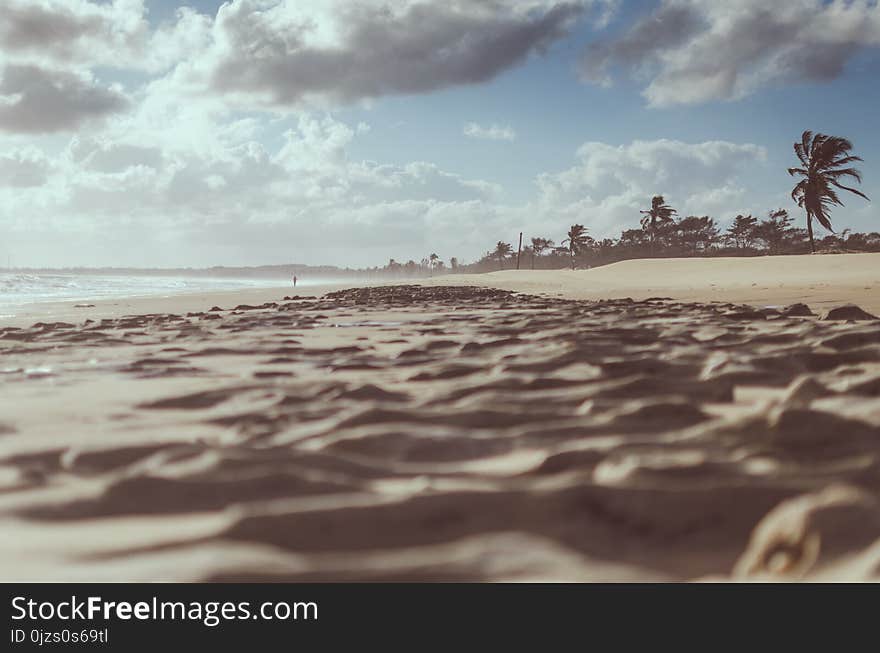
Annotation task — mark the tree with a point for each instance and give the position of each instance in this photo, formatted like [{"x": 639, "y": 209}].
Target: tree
[
  {"x": 742, "y": 232},
  {"x": 539, "y": 246},
  {"x": 659, "y": 213},
  {"x": 578, "y": 241},
  {"x": 605, "y": 249},
  {"x": 432, "y": 261},
  {"x": 863, "y": 242},
  {"x": 824, "y": 160},
  {"x": 871, "y": 240},
  {"x": 697, "y": 234},
  {"x": 394, "y": 267},
  {"x": 633, "y": 239},
  {"x": 502, "y": 251},
  {"x": 775, "y": 230},
  {"x": 453, "y": 263}
]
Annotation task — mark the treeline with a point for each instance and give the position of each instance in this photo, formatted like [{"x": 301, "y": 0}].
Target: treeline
[
  {"x": 661, "y": 234},
  {"x": 690, "y": 236},
  {"x": 823, "y": 162}
]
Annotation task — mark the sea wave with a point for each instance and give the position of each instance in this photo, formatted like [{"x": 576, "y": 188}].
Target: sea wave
[{"x": 20, "y": 289}]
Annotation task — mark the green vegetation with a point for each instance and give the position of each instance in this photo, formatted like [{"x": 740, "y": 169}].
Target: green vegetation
[{"x": 825, "y": 161}]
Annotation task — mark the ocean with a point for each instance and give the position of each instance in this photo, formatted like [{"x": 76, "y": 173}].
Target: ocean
[{"x": 18, "y": 290}]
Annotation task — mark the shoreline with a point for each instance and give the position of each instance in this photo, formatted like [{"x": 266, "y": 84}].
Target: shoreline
[
  {"x": 78, "y": 311},
  {"x": 821, "y": 282}
]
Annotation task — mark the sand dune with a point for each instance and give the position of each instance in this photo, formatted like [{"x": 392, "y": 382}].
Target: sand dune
[
  {"x": 821, "y": 281},
  {"x": 444, "y": 433}
]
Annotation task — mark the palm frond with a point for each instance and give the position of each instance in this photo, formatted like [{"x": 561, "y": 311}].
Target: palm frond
[
  {"x": 831, "y": 196},
  {"x": 819, "y": 141},
  {"x": 851, "y": 190},
  {"x": 802, "y": 149},
  {"x": 833, "y": 175},
  {"x": 823, "y": 219},
  {"x": 799, "y": 191},
  {"x": 836, "y": 163}
]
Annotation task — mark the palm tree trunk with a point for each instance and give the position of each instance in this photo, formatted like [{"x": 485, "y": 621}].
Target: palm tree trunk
[{"x": 810, "y": 231}]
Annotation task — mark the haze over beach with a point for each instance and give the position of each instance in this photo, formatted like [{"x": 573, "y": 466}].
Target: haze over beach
[{"x": 522, "y": 290}]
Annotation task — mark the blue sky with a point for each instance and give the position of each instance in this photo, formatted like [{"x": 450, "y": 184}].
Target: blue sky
[{"x": 327, "y": 131}]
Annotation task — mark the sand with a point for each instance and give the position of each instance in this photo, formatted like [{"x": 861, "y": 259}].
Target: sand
[
  {"x": 452, "y": 431},
  {"x": 822, "y": 281},
  {"x": 98, "y": 309}
]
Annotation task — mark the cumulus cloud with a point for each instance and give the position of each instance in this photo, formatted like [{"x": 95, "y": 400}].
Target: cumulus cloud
[
  {"x": 286, "y": 52},
  {"x": 183, "y": 166},
  {"x": 491, "y": 133},
  {"x": 49, "y": 50},
  {"x": 667, "y": 28},
  {"x": 304, "y": 198},
  {"x": 114, "y": 157},
  {"x": 695, "y": 51},
  {"x": 23, "y": 168},
  {"x": 29, "y": 27},
  {"x": 610, "y": 184},
  {"x": 34, "y": 100},
  {"x": 79, "y": 34},
  {"x": 74, "y": 31}
]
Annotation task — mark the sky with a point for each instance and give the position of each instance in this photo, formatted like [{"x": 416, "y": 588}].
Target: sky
[{"x": 153, "y": 133}]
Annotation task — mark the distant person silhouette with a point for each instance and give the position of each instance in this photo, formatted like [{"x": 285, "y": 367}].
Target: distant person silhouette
[{"x": 294, "y": 281}]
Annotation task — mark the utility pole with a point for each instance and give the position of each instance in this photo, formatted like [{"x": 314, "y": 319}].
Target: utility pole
[{"x": 519, "y": 250}]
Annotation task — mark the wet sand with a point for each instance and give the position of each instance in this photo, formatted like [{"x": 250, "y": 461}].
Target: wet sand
[
  {"x": 442, "y": 433},
  {"x": 178, "y": 303}
]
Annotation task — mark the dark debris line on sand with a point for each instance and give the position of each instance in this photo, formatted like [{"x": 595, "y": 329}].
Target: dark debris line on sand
[
  {"x": 613, "y": 415},
  {"x": 407, "y": 296},
  {"x": 850, "y": 312}
]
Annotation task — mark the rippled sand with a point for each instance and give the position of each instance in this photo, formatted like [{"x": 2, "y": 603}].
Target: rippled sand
[{"x": 438, "y": 433}]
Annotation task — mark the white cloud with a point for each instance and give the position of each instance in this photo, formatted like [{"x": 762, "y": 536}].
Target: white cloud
[
  {"x": 74, "y": 31},
  {"x": 23, "y": 168},
  {"x": 86, "y": 33},
  {"x": 491, "y": 133},
  {"x": 209, "y": 155},
  {"x": 236, "y": 201},
  {"x": 610, "y": 184},
  {"x": 693, "y": 51}
]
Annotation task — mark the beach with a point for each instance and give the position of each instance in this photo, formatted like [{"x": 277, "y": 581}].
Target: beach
[
  {"x": 820, "y": 281},
  {"x": 653, "y": 420}
]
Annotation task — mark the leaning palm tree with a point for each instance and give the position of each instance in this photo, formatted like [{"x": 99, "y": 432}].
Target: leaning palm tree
[
  {"x": 659, "y": 213},
  {"x": 577, "y": 239},
  {"x": 539, "y": 246},
  {"x": 824, "y": 161},
  {"x": 502, "y": 251}
]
